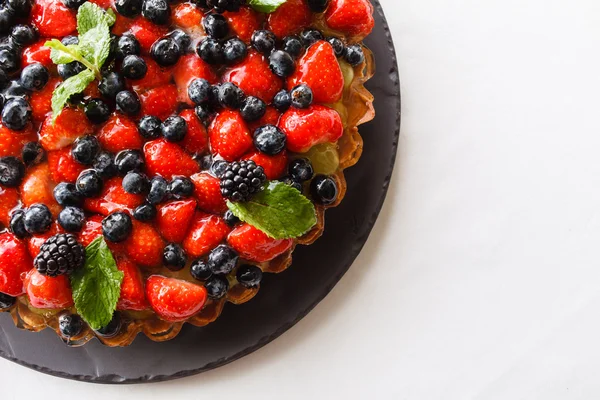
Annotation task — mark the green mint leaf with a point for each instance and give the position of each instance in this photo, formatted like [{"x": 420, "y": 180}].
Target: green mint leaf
[
  {"x": 90, "y": 16},
  {"x": 95, "y": 45},
  {"x": 97, "y": 286},
  {"x": 265, "y": 6},
  {"x": 280, "y": 211},
  {"x": 61, "y": 54},
  {"x": 73, "y": 85}
]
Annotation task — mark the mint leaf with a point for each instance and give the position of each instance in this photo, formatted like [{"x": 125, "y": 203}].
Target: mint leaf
[
  {"x": 90, "y": 16},
  {"x": 73, "y": 85},
  {"x": 95, "y": 45},
  {"x": 61, "y": 54},
  {"x": 265, "y": 6},
  {"x": 97, "y": 286},
  {"x": 280, "y": 211}
]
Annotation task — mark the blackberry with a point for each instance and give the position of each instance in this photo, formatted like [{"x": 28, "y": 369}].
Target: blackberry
[
  {"x": 242, "y": 179},
  {"x": 61, "y": 254},
  {"x": 224, "y": 5}
]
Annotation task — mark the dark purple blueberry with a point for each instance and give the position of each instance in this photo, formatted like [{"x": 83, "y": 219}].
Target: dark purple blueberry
[
  {"x": 117, "y": 226},
  {"x": 85, "y": 149},
  {"x": 324, "y": 189},
  {"x": 269, "y": 139},
  {"x": 249, "y": 276},
  {"x": 89, "y": 183},
  {"x": 38, "y": 219},
  {"x": 174, "y": 257},
  {"x": 12, "y": 171}
]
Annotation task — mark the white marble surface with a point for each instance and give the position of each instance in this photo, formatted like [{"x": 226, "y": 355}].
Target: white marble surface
[{"x": 481, "y": 279}]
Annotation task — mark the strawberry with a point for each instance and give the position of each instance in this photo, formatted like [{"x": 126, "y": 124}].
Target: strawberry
[
  {"x": 41, "y": 101},
  {"x": 92, "y": 229},
  {"x": 174, "y": 299},
  {"x": 37, "y": 187},
  {"x": 63, "y": 167},
  {"x": 47, "y": 292},
  {"x": 291, "y": 17},
  {"x": 113, "y": 198},
  {"x": 9, "y": 199},
  {"x": 35, "y": 242},
  {"x": 160, "y": 102},
  {"x": 254, "y": 77},
  {"x": 37, "y": 52},
  {"x": 146, "y": 32},
  {"x": 208, "y": 193},
  {"x": 119, "y": 133},
  {"x": 53, "y": 19},
  {"x": 12, "y": 142},
  {"x": 14, "y": 261},
  {"x": 69, "y": 125},
  {"x": 122, "y": 24},
  {"x": 308, "y": 127},
  {"x": 188, "y": 68},
  {"x": 168, "y": 159},
  {"x": 254, "y": 245},
  {"x": 173, "y": 219},
  {"x": 274, "y": 166},
  {"x": 133, "y": 294},
  {"x": 319, "y": 69},
  {"x": 155, "y": 76},
  {"x": 352, "y": 17},
  {"x": 229, "y": 135},
  {"x": 243, "y": 23},
  {"x": 144, "y": 246},
  {"x": 271, "y": 117},
  {"x": 196, "y": 139},
  {"x": 206, "y": 232},
  {"x": 187, "y": 16},
  {"x": 106, "y": 4}
]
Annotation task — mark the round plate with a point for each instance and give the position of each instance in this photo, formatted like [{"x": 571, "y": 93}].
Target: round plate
[{"x": 283, "y": 299}]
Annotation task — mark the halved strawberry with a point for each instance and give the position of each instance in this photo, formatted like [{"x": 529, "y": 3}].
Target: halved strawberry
[
  {"x": 119, "y": 133},
  {"x": 133, "y": 293},
  {"x": 53, "y": 19},
  {"x": 206, "y": 232},
  {"x": 41, "y": 101},
  {"x": 146, "y": 32},
  {"x": 160, "y": 102},
  {"x": 254, "y": 77},
  {"x": 208, "y": 193},
  {"x": 229, "y": 135},
  {"x": 144, "y": 246},
  {"x": 113, "y": 198},
  {"x": 188, "y": 68},
  {"x": 291, "y": 17},
  {"x": 305, "y": 128},
  {"x": 12, "y": 142},
  {"x": 174, "y": 299},
  {"x": 155, "y": 76},
  {"x": 274, "y": 166},
  {"x": 69, "y": 125},
  {"x": 352, "y": 17},
  {"x": 254, "y": 245},
  {"x": 46, "y": 292},
  {"x": 63, "y": 166},
  {"x": 14, "y": 261},
  {"x": 35, "y": 242},
  {"x": 37, "y": 52},
  {"x": 173, "y": 219},
  {"x": 168, "y": 159},
  {"x": 243, "y": 22},
  {"x": 9, "y": 199},
  {"x": 37, "y": 187},
  {"x": 196, "y": 139},
  {"x": 187, "y": 16}
]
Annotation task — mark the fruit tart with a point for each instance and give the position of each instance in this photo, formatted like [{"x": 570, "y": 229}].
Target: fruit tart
[{"x": 157, "y": 157}]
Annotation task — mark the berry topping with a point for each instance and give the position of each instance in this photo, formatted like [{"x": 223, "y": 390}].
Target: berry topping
[
  {"x": 61, "y": 254},
  {"x": 174, "y": 257},
  {"x": 14, "y": 260},
  {"x": 48, "y": 292},
  {"x": 249, "y": 276},
  {"x": 117, "y": 227},
  {"x": 222, "y": 259},
  {"x": 254, "y": 245},
  {"x": 324, "y": 190},
  {"x": 216, "y": 287},
  {"x": 173, "y": 299},
  {"x": 85, "y": 149},
  {"x": 70, "y": 325},
  {"x": 200, "y": 271},
  {"x": 12, "y": 171},
  {"x": 241, "y": 180},
  {"x": 38, "y": 219},
  {"x": 269, "y": 140}
]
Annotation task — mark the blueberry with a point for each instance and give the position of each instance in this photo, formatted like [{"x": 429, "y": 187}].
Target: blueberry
[
  {"x": 85, "y": 149},
  {"x": 181, "y": 187},
  {"x": 269, "y": 139},
  {"x": 281, "y": 63},
  {"x": 324, "y": 189},
  {"x": 338, "y": 46},
  {"x": 71, "y": 219},
  {"x": 3, "y": 79},
  {"x": 70, "y": 325},
  {"x": 253, "y": 109},
  {"x": 200, "y": 271},
  {"x": 156, "y": 11},
  {"x": 249, "y": 276},
  {"x": 97, "y": 111},
  {"x": 292, "y": 45},
  {"x": 21, "y": 8},
  {"x": 136, "y": 183},
  {"x": 129, "y": 160},
  {"x": 222, "y": 259},
  {"x": 301, "y": 170},
  {"x": 218, "y": 167},
  {"x": 198, "y": 91},
  {"x": 23, "y": 35},
  {"x": 216, "y": 287},
  {"x": 7, "y": 19},
  {"x": 117, "y": 226},
  {"x": 12, "y": 171},
  {"x": 234, "y": 51},
  {"x": 165, "y": 52},
  {"x": 111, "y": 84},
  {"x": 282, "y": 100},
  {"x": 16, "y": 114},
  {"x": 89, "y": 183},
  {"x": 71, "y": 69},
  {"x": 230, "y": 219},
  {"x": 203, "y": 113},
  {"x": 71, "y": 39},
  {"x": 311, "y": 36},
  {"x": 38, "y": 219},
  {"x": 205, "y": 161},
  {"x": 263, "y": 41},
  {"x": 230, "y": 95},
  {"x": 302, "y": 96},
  {"x": 2, "y": 100},
  {"x": 182, "y": 39},
  {"x": 104, "y": 164},
  {"x": 74, "y": 4},
  {"x": 113, "y": 327},
  {"x": 174, "y": 257},
  {"x": 354, "y": 55},
  {"x": 145, "y": 212},
  {"x": 17, "y": 224},
  {"x": 6, "y": 301},
  {"x": 66, "y": 194},
  {"x": 128, "y": 102},
  {"x": 215, "y": 26},
  {"x": 174, "y": 129},
  {"x": 293, "y": 183},
  {"x": 128, "y": 8},
  {"x": 134, "y": 67},
  {"x": 158, "y": 190},
  {"x": 15, "y": 90},
  {"x": 318, "y": 6},
  {"x": 211, "y": 51},
  {"x": 32, "y": 153},
  {"x": 150, "y": 127},
  {"x": 127, "y": 45},
  {"x": 224, "y": 5}
]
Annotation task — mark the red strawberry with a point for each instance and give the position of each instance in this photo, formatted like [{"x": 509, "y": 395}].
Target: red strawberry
[
  {"x": 206, "y": 232},
  {"x": 69, "y": 125},
  {"x": 174, "y": 218},
  {"x": 311, "y": 126},
  {"x": 37, "y": 52},
  {"x": 320, "y": 70},
  {"x": 291, "y": 17},
  {"x": 274, "y": 166},
  {"x": 63, "y": 167},
  {"x": 106, "y": 4},
  {"x": 187, "y": 16},
  {"x": 271, "y": 117},
  {"x": 208, "y": 193},
  {"x": 119, "y": 133},
  {"x": 174, "y": 299},
  {"x": 122, "y": 24},
  {"x": 243, "y": 23},
  {"x": 352, "y": 17},
  {"x": 53, "y": 19},
  {"x": 113, "y": 198},
  {"x": 14, "y": 260},
  {"x": 9, "y": 199},
  {"x": 168, "y": 159},
  {"x": 144, "y": 246},
  {"x": 37, "y": 188},
  {"x": 133, "y": 294},
  {"x": 35, "y": 242},
  {"x": 196, "y": 139},
  {"x": 41, "y": 101},
  {"x": 254, "y": 245},
  {"x": 11, "y": 142},
  {"x": 160, "y": 101},
  {"x": 254, "y": 77},
  {"x": 155, "y": 76},
  {"x": 188, "y": 68},
  {"x": 92, "y": 229},
  {"x": 229, "y": 135},
  {"x": 146, "y": 32},
  {"x": 46, "y": 292}
]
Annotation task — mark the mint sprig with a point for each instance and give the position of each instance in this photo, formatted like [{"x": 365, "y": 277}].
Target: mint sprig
[
  {"x": 97, "y": 286},
  {"x": 280, "y": 211},
  {"x": 93, "y": 26},
  {"x": 265, "y": 6}
]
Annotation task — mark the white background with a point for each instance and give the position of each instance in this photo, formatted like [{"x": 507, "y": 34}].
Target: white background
[{"x": 481, "y": 279}]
